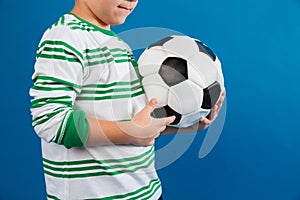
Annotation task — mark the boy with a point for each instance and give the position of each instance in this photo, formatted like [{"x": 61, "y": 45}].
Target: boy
[{"x": 90, "y": 110}]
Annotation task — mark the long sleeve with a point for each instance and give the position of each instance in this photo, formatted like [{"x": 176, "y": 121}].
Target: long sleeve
[{"x": 57, "y": 80}]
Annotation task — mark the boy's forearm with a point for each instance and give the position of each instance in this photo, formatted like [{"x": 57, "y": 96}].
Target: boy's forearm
[{"x": 106, "y": 132}]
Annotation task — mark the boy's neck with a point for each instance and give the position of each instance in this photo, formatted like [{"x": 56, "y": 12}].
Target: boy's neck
[{"x": 90, "y": 17}]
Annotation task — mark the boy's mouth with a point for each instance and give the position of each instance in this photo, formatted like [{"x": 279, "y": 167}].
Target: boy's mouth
[{"x": 125, "y": 8}]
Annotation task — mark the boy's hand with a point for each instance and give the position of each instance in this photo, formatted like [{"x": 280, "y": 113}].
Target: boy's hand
[
  {"x": 206, "y": 121},
  {"x": 143, "y": 129}
]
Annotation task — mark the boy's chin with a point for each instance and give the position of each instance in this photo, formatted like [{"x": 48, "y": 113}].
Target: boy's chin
[{"x": 119, "y": 21}]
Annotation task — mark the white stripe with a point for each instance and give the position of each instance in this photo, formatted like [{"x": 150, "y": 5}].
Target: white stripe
[{"x": 61, "y": 135}]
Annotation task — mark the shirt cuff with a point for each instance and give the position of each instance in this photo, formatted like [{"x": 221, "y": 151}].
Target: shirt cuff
[{"x": 76, "y": 131}]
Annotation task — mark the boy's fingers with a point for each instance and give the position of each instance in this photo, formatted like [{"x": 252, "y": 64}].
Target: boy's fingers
[
  {"x": 160, "y": 122},
  {"x": 164, "y": 120},
  {"x": 162, "y": 129},
  {"x": 215, "y": 108},
  {"x": 169, "y": 120},
  {"x": 151, "y": 105},
  {"x": 220, "y": 102},
  {"x": 204, "y": 120}
]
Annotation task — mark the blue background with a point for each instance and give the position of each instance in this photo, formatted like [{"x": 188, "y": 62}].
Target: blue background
[{"x": 258, "y": 41}]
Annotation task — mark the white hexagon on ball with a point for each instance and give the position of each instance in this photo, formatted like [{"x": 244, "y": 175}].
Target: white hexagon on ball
[
  {"x": 150, "y": 60},
  {"x": 205, "y": 68},
  {"x": 182, "y": 46},
  {"x": 155, "y": 87},
  {"x": 185, "y": 97}
]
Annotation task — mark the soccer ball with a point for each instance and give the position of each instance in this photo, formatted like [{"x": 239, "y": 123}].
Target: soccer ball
[{"x": 184, "y": 75}]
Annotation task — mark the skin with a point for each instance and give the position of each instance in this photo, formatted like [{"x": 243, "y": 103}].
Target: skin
[
  {"x": 142, "y": 129},
  {"x": 104, "y": 13}
]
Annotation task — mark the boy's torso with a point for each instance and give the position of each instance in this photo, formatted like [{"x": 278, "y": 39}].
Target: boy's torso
[{"x": 110, "y": 90}]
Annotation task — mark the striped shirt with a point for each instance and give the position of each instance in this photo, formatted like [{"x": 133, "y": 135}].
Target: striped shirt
[{"x": 82, "y": 70}]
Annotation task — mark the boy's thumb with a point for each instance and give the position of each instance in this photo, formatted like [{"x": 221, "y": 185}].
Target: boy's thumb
[{"x": 151, "y": 105}]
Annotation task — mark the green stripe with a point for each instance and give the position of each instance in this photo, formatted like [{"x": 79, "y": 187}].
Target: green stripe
[
  {"x": 111, "y": 84},
  {"x": 104, "y": 53},
  {"x": 122, "y": 60},
  {"x": 118, "y": 49},
  {"x": 83, "y": 162},
  {"x": 62, "y": 20},
  {"x": 121, "y": 55},
  {"x": 41, "y": 119},
  {"x": 99, "y": 167},
  {"x": 67, "y": 104},
  {"x": 74, "y": 22},
  {"x": 106, "y": 60},
  {"x": 39, "y": 82},
  {"x": 152, "y": 187},
  {"x": 111, "y": 90},
  {"x": 37, "y": 103},
  {"x": 99, "y": 62},
  {"x": 103, "y": 49},
  {"x": 57, "y": 57},
  {"x": 98, "y": 173},
  {"x": 110, "y": 97},
  {"x": 90, "y": 51},
  {"x": 56, "y": 42},
  {"x": 94, "y": 27},
  {"x": 97, "y": 56},
  {"x": 52, "y": 197},
  {"x": 79, "y": 25},
  {"x": 51, "y": 99},
  {"x": 58, "y": 50},
  {"x": 146, "y": 192},
  {"x": 146, "y": 195},
  {"x": 52, "y": 88},
  {"x": 105, "y": 57},
  {"x": 51, "y": 50},
  {"x": 56, "y": 80},
  {"x": 134, "y": 63},
  {"x": 82, "y": 28}
]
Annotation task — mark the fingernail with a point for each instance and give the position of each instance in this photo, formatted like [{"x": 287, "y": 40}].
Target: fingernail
[{"x": 154, "y": 101}]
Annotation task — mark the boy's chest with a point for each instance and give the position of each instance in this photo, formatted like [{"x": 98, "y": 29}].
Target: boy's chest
[{"x": 110, "y": 86}]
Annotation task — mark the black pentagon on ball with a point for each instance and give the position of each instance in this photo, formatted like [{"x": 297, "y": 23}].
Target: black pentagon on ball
[
  {"x": 211, "y": 95},
  {"x": 160, "y": 42},
  {"x": 166, "y": 111},
  {"x": 205, "y": 49},
  {"x": 173, "y": 70}
]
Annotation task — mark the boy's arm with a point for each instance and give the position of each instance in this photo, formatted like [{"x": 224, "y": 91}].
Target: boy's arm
[
  {"x": 141, "y": 130},
  {"x": 56, "y": 83}
]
